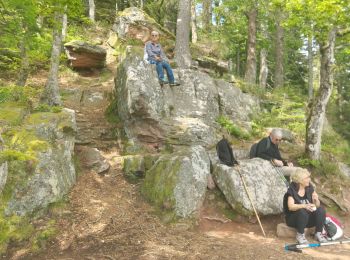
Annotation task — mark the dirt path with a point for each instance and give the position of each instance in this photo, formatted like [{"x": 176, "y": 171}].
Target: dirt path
[{"x": 107, "y": 217}]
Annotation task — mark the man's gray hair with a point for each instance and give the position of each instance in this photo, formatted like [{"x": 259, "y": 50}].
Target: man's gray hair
[
  {"x": 155, "y": 32},
  {"x": 276, "y": 133}
]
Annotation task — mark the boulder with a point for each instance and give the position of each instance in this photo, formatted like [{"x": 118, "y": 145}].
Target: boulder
[
  {"x": 177, "y": 182},
  {"x": 135, "y": 166},
  {"x": 93, "y": 160},
  {"x": 344, "y": 169},
  {"x": 54, "y": 172},
  {"x": 265, "y": 186},
  {"x": 182, "y": 115},
  {"x": 83, "y": 55},
  {"x": 283, "y": 231}
]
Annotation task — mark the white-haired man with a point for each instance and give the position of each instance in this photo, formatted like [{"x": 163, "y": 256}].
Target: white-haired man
[
  {"x": 156, "y": 55},
  {"x": 267, "y": 149}
]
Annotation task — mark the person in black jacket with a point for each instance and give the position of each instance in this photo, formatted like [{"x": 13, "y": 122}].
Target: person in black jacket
[
  {"x": 301, "y": 207},
  {"x": 267, "y": 149}
]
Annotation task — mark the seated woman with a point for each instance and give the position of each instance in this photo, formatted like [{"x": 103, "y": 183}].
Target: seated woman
[{"x": 302, "y": 207}]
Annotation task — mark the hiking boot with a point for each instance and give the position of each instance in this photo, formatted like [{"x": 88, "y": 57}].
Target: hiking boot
[
  {"x": 172, "y": 84},
  {"x": 320, "y": 237},
  {"x": 162, "y": 82},
  {"x": 301, "y": 239}
]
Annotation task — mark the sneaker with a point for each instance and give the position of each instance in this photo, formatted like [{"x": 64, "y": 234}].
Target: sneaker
[
  {"x": 320, "y": 237},
  {"x": 301, "y": 239},
  {"x": 172, "y": 84}
]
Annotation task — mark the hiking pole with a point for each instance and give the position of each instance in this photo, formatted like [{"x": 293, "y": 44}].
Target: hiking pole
[
  {"x": 280, "y": 173},
  {"x": 251, "y": 202},
  {"x": 298, "y": 247}
]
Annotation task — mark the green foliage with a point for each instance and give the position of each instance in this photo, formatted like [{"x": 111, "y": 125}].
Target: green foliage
[
  {"x": 47, "y": 108},
  {"x": 40, "y": 238},
  {"x": 231, "y": 128},
  {"x": 21, "y": 95},
  {"x": 284, "y": 107}
]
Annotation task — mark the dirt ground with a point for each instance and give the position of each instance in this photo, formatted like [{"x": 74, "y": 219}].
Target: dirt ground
[{"x": 107, "y": 218}]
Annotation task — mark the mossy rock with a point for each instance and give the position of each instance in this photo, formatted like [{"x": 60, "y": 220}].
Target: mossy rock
[
  {"x": 12, "y": 114},
  {"x": 133, "y": 168}
]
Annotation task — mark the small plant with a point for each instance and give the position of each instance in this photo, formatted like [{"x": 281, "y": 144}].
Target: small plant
[{"x": 231, "y": 128}]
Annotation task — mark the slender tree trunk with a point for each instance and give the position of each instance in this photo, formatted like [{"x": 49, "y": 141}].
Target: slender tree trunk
[
  {"x": 263, "y": 68},
  {"x": 238, "y": 61},
  {"x": 279, "y": 74},
  {"x": 51, "y": 94},
  {"x": 310, "y": 58},
  {"x": 217, "y": 18},
  {"x": 316, "y": 117},
  {"x": 141, "y": 4},
  {"x": 207, "y": 15},
  {"x": 194, "y": 22},
  {"x": 250, "y": 71},
  {"x": 64, "y": 24},
  {"x": 92, "y": 10},
  {"x": 24, "y": 70},
  {"x": 182, "y": 44}
]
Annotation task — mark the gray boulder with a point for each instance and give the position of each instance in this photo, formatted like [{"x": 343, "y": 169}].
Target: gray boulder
[
  {"x": 178, "y": 182},
  {"x": 83, "y": 55},
  {"x": 265, "y": 186},
  {"x": 344, "y": 169},
  {"x": 182, "y": 115},
  {"x": 54, "y": 174}
]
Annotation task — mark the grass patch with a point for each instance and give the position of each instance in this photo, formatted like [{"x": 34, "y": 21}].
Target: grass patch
[{"x": 232, "y": 128}]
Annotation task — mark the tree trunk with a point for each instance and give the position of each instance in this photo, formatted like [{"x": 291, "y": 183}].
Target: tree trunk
[
  {"x": 250, "y": 71},
  {"x": 24, "y": 70},
  {"x": 64, "y": 24},
  {"x": 310, "y": 58},
  {"x": 182, "y": 44},
  {"x": 238, "y": 61},
  {"x": 217, "y": 18},
  {"x": 263, "y": 68},
  {"x": 51, "y": 94},
  {"x": 194, "y": 22},
  {"x": 318, "y": 110},
  {"x": 92, "y": 10},
  {"x": 278, "y": 75},
  {"x": 207, "y": 15},
  {"x": 141, "y": 4}
]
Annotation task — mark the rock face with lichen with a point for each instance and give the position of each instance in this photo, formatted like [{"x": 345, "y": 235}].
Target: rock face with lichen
[
  {"x": 178, "y": 181},
  {"x": 3, "y": 168},
  {"x": 49, "y": 175},
  {"x": 265, "y": 186},
  {"x": 83, "y": 55}
]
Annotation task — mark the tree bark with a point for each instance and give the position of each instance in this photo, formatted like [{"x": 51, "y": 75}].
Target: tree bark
[
  {"x": 51, "y": 94},
  {"x": 310, "y": 58},
  {"x": 92, "y": 10},
  {"x": 238, "y": 61},
  {"x": 263, "y": 68},
  {"x": 182, "y": 44},
  {"x": 250, "y": 70},
  {"x": 24, "y": 70},
  {"x": 279, "y": 70},
  {"x": 64, "y": 24},
  {"x": 316, "y": 117},
  {"x": 207, "y": 15},
  {"x": 194, "y": 22}
]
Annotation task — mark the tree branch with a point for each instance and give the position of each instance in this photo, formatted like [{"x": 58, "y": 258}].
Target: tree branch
[{"x": 343, "y": 32}]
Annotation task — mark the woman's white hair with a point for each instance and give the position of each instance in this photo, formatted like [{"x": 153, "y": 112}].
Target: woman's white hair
[{"x": 299, "y": 175}]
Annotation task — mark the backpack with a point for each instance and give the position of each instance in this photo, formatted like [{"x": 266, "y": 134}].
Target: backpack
[
  {"x": 254, "y": 149},
  {"x": 224, "y": 152},
  {"x": 333, "y": 228}
]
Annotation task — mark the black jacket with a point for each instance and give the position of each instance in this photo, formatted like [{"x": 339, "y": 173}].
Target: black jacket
[{"x": 268, "y": 150}]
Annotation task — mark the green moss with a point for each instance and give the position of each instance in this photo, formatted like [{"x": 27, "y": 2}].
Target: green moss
[
  {"x": 232, "y": 129},
  {"x": 133, "y": 168},
  {"x": 12, "y": 114},
  {"x": 160, "y": 182},
  {"x": 41, "y": 238}
]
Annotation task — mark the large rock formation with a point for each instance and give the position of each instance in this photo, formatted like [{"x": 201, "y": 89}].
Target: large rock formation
[
  {"x": 265, "y": 185},
  {"x": 53, "y": 174},
  {"x": 178, "y": 181},
  {"x": 83, "y": 55},
  {"x": 183, "y": 115}
]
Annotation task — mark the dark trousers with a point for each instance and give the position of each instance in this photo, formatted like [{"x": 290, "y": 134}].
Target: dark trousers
[{"x": 303, "y": 218}]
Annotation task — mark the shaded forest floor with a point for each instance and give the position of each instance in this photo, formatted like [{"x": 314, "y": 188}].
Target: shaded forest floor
[{"x": 106, "y": 217}]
